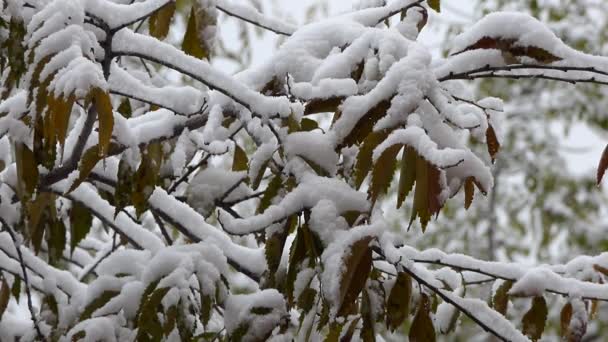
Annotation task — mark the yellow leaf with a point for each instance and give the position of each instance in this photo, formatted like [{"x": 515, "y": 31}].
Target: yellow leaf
[
  {"x": 103, "y": 105},
  {"x": 88, "y": 161},
  {"x": 240, "y": 161},
  {"x": 534, "y": 320},
  {"x": 160, "y": 21},
  {"x": 435, "y": 4},
  {"x": 193, "y": 44},
  {"x": 398, "y": 304}
]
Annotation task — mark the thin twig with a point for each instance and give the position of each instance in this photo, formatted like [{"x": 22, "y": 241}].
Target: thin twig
[{"x": 30, "y": 306}]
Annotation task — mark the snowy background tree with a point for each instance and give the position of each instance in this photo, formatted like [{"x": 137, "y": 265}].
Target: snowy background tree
[{"x": 148, "y": 195}]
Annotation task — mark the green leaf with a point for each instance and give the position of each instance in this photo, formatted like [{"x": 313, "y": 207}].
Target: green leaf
[
  {"x": 407, "y": 175},
  {"x": 398, "y": 303},
  {"x": 80, "y": 224},
  {"x": 257, "y": 179},
  {"x": 383, "y": 172},
  {"x": 306, "y": 300},
  {"x": 357, "y": 266},
  {"x": 146, "y": 177},
  {"x": 240, "y": 161},
  {"x": 534, "y": 320},
  {"x": 160, "y": 21},
  {"x": 422, "y": 329},
  {"x": 500, "y": 301}
]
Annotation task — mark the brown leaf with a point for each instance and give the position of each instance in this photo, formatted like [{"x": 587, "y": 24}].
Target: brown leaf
[
  {"x": 469, "y": 192},
  {"x": 366, "y": 124},
  {"x": 421, "y": 194},
  {"x": 364, "y": 157},
  {"x": 160, "y": 21},
  {"x": 322, "y": 105},
  {"x": 398, "y": 303},
  {"x": 601, "y": 168},
  {"x": 358, "y": 264},
  {"x": 534, "y": 320},
  {"x": 105, "y": 116},
  {"x": 435, "y": 4},
  {"x": 408, "y": 174},
  {"x": 492, "y": 141},
  {"x": 422, "y": 329},
  {"x": 239, "y": 161},
  {"x": 500, "y": 301},
  {"x": 383, "y": 172},
  {"x": 565, "y": 317},
  {"x": 5, "y": 296},
  {"x": 27, "y": 171}
]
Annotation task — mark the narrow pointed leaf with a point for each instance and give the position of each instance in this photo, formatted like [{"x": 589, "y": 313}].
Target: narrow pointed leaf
[{"x": 408, "y": 174}]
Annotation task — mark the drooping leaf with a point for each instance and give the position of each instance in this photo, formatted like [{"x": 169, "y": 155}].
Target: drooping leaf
[
  {"x": 366, "y": 124},
  {"x": 350, "y": 331},
  {"x": 148, "y": 322},
  {"x": 257, "y": 179},
  {"x": 383, "y": 172},
  {"x": 89, "y": 159},
  {"x": 5, "y": 296},
  {"x": 97, "y": 303},
  {"x": 61, "y": 110},
  {"x": 357, "y": 264},
  {"x": 492, "y": 141},
  {"x": 272, "y": 190},
  {"x": 16, "y": 288},
  {"x": 603, "y": 164},
  {"x": 407, "y": 175},
  {"x": 239, "y": 161},
  {"x": 297, "y": 254},
  {"x": 146, "y": 177},
  {"x": 565, "y": 317},
  {"x": 435, "y": 4},
  {"x": 56, "y": 240},
  {"x": 105, "y": 116},
  {"x": 534, "y": 320},
  {"x": 125, "y": 108},
  {"x": 124, "y": 186},
  {"x": 80, "y": 224},
  {"x": 422, "y": 329},
  {"x": 469, "y": 192},
  {"x": 364, "y": 157},
  {"x": 193, "y": 44},
  {"x": 421, "y": 194},
  {"x": 27, "y": 171},
  {"x": 500, "y": 301},
  {"x": 398, "y": 303},
  {"x": 368, "y": 331},
  {"x": 160, "y": 21}
]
